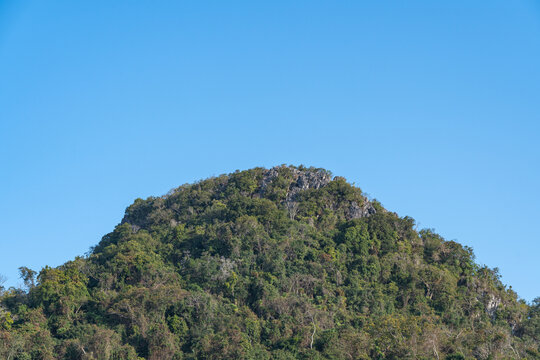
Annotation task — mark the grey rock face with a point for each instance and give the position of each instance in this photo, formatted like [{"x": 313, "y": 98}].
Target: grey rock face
[
  {"x": 311, "y": 179},
  {"x": 307, "y": 180},
  {"x": 356, "y": 211},
  {"x": 302, "y": 179},
  {"x": 492, "y": 305}
]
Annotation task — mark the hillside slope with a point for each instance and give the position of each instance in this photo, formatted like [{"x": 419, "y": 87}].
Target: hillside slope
[{"x": 281, "y": 263}]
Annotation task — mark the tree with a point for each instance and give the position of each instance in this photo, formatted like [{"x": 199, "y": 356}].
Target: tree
[{"x": 29, "y": 277}]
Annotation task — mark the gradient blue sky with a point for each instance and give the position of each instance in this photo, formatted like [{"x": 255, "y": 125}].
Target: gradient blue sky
[{"x": 432, "y": 107}]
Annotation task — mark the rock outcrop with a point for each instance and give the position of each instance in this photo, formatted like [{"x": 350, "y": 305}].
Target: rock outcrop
[
  {"x": 306, "y": 179},
  {"x": 356, "y": 211}
]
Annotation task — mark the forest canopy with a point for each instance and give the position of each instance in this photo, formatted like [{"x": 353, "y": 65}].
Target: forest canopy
[{"x": 282, "y": 263}]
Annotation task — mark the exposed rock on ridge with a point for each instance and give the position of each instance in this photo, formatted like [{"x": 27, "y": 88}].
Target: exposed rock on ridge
[
  {"x": 305, "y": 179},
  {"x": 302, "y": 180},
  {"x": 356, "y": 211},
  {"x": 291, "y": 183}
]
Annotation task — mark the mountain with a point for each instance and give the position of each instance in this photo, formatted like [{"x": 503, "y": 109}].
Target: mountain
[{"x": 281, "y": 263}]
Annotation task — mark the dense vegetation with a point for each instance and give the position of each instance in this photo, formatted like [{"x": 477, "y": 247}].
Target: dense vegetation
[{"x": 286, "y": 263}]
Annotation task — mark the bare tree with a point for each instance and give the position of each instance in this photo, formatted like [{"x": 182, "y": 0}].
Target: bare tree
[
  {"x": 29, "y": 277},
  {"x": 2, "y": 281}
]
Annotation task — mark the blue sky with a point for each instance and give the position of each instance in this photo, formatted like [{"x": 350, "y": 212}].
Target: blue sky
[{"x": 433, "y": 108}]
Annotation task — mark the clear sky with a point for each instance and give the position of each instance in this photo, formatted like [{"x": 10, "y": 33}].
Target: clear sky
[{"x": 431, "y": 107}]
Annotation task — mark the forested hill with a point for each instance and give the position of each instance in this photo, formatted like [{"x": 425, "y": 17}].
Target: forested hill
[{"x": 281, "y": 263}]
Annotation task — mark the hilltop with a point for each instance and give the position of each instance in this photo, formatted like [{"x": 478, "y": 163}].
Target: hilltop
[{"x": 281, "y": 263}]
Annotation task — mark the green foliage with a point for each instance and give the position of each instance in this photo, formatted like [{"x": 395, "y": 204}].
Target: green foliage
[
  {"x": 5, "y": 320},
  {"x": 286, "y": 263}
]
